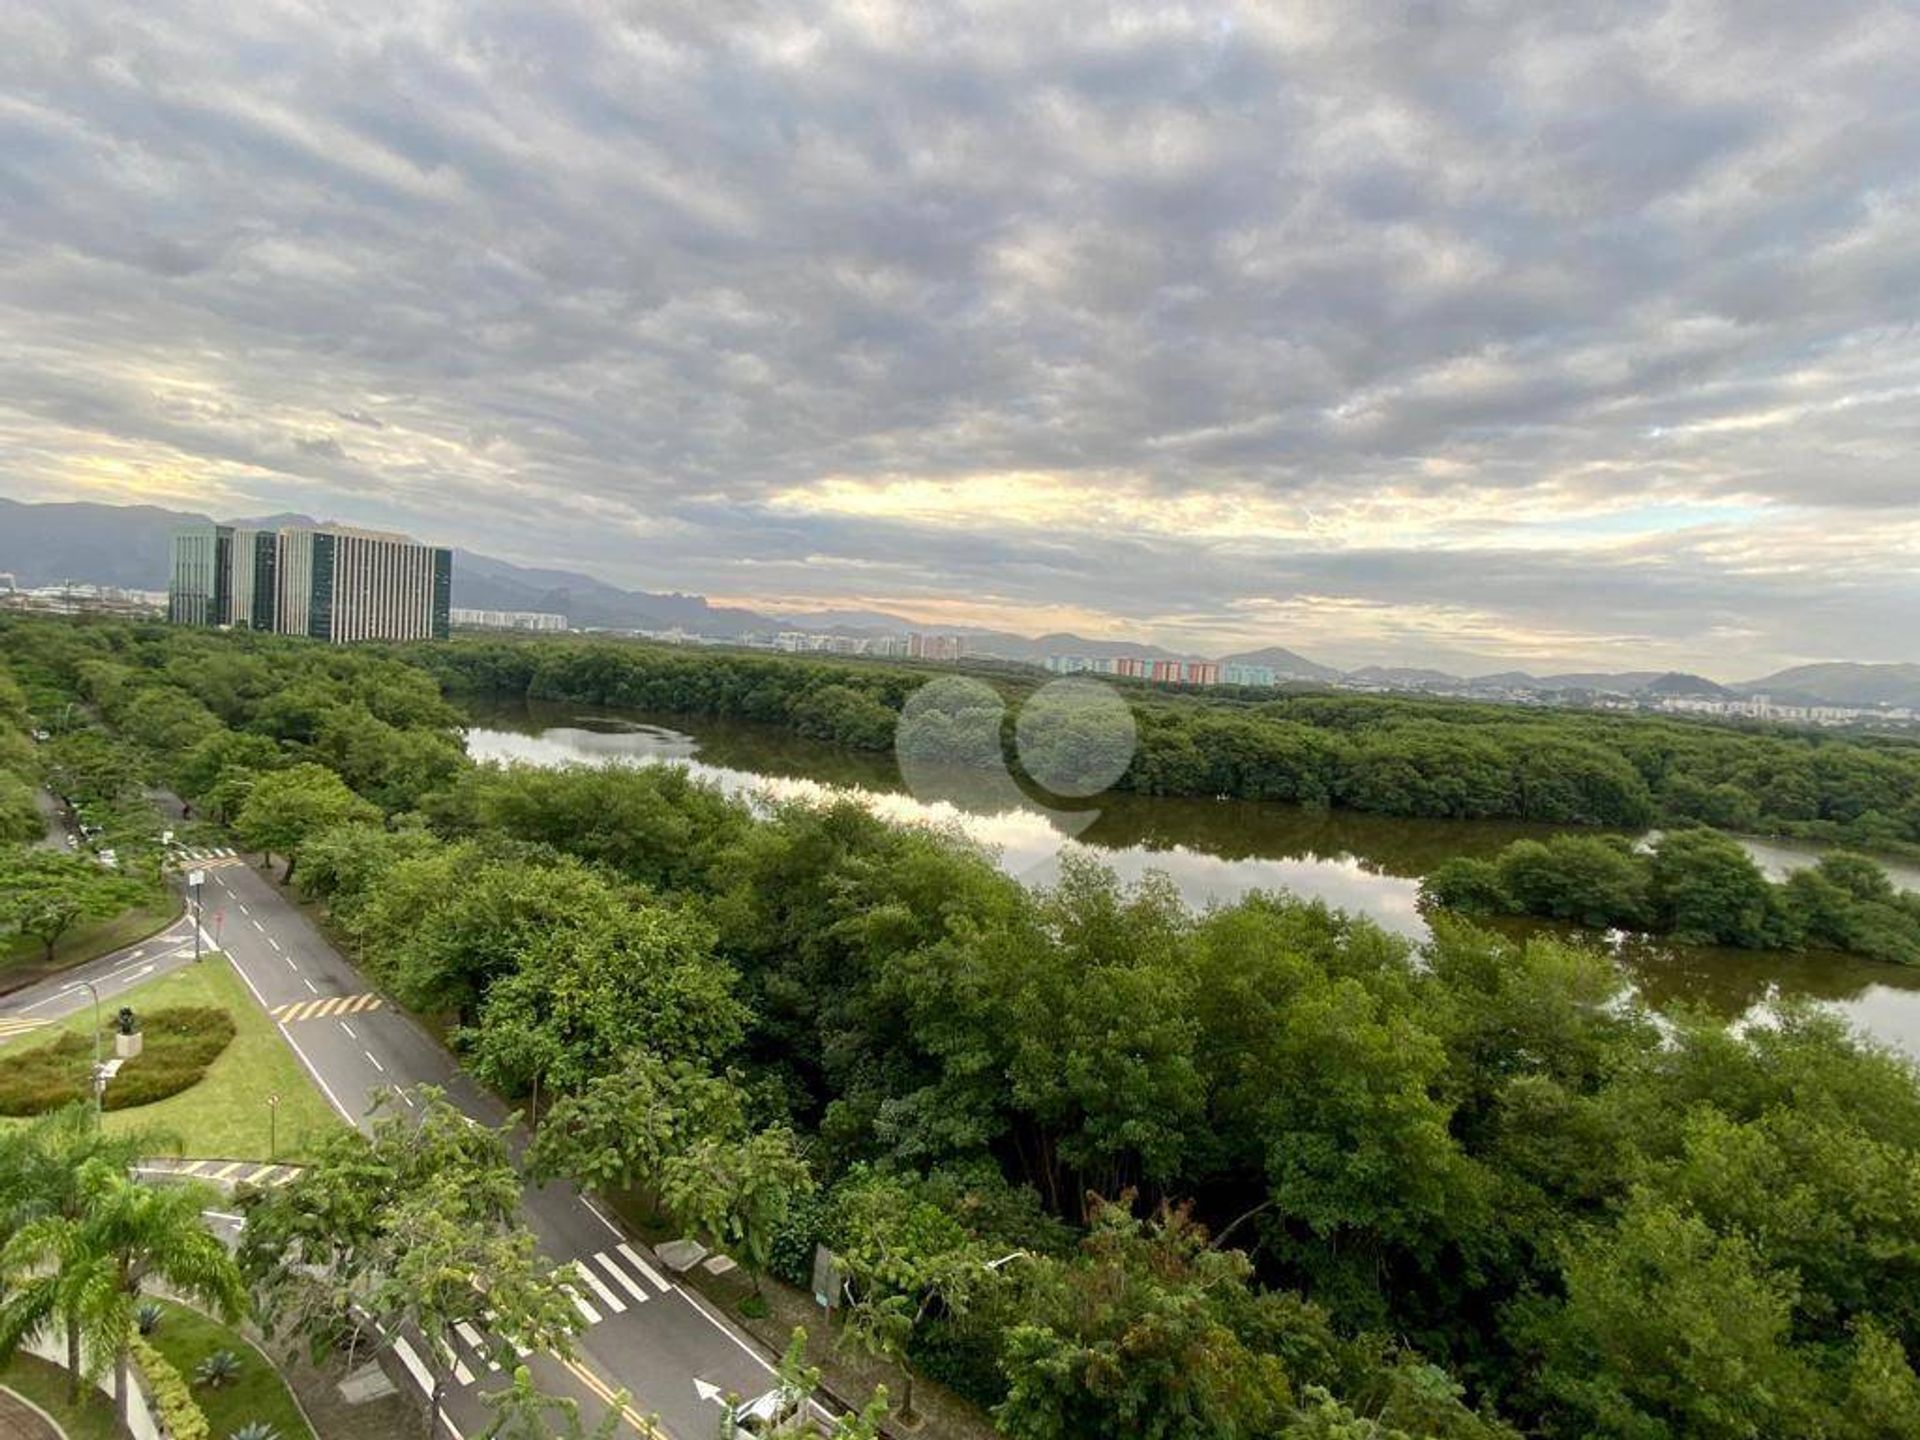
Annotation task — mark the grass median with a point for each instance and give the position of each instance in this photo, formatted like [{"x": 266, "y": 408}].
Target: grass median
[{"x": 225, "y": 1115}]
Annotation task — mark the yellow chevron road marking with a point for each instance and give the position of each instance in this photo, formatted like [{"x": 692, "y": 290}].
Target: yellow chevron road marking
[
  {"x": 12, "y": 1025},
  {"x": 325, "y": 1006}
]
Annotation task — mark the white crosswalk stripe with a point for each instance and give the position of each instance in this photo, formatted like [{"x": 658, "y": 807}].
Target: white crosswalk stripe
[
  {"x": 410, "y": 1358},
  {"x": 621, "y": 1278},
  {"x": 587, "y": 1312},
  {"x": 607, "y": 1298},
  {"x": 645, "y": 1269},
  {"x": 478, "y": 1343}
]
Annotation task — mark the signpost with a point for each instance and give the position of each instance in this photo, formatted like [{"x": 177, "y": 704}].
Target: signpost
[{"x": 273, "y": 1128}]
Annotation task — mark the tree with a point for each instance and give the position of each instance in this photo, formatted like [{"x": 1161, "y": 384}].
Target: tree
[
  {"x": 1706, "y": 889},
  {"x": 906, "y": 1256},
  {"x": 45, "y": 893},
  {"x": 88, "y": 1269},
  {"x": 736, "y": 1193},
  {"x": 413, "y": 1227},
  {"x": 42, "y": 1165},
  {"x": 1669, "y": 1329},
  {"x": 284, "y": 807},
  {"x": 1136, "y": 1336},
  {"x": 621, "y": 1129},
  {"x": 627, "y": 979},
  {"x": 1582, "y": 878},
  {"x": 522, "y": 1411}
]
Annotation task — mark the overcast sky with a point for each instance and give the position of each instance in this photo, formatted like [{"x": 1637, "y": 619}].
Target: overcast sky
[{"x": 1456, "y": 333}]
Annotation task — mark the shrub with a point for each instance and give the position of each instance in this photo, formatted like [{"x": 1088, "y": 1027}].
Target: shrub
[
  {"x": 172, "y": 1400},
  {"x": 222, "y": 1367},
  {"x": 255, "y": 1430},
  {"x": 181, "y": 1043},
  {"x": 148, "y": 1317}
]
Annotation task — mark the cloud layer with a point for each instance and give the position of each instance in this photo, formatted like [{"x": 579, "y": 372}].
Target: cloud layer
[{"x": 1515, "y": 332}]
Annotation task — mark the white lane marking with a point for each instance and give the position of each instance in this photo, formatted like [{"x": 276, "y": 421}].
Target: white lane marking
[
  {"x": 311, "y": 986},
  {"x": 461, "y": 1372},
  {"x": 410, "y": 1358},
  {"x": 243, "y": 908},
  {"x": 472, "y": 1336},
  {"x": 408, "y": 1098},
  {"x": 314, "y": 1070},
  {"x": 258, "y": 926},
  {"x": 376, "y": 1064},
  {"x": 627, "y": 1282},
  {"x": 273, "y": 942},
  {"x": 612, "y": 1301},
  {"x": 349, "y": 1029},
  {"x": 594, "y": 1210},
  {"x": 587, "y": 1312},
  {"x": 626, "y": 1253},
  {"x": 291, "y": 966}
]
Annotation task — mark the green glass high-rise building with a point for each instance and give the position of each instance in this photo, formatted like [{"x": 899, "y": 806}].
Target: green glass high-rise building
[{"x": 329, "y": 583}]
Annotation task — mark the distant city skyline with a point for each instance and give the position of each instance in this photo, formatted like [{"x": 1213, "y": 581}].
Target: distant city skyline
[{"x": 1527, "y": 338}]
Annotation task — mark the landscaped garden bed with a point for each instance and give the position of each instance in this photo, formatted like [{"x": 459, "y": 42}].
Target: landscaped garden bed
[{"x": 178, "y": 1044}]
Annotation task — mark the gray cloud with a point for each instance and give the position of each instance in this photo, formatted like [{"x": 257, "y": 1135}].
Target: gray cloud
[{"x": 1614, "y": 305}]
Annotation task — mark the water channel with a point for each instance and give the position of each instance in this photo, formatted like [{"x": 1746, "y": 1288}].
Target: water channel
[{"x": 1214, "y": 851}]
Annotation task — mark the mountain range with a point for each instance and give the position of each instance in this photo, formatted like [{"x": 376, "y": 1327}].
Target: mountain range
[{"x": 127, "y": 545}]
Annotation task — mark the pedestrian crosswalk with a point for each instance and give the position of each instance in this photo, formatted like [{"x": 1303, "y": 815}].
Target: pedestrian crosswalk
[
  {"x": 325, "y": 1006},
  {"x": 12, "y": 1025},
  {"x": 610, "y": 1283},
  {"x": 209, "y": 857},
  {"x": 222, "y": 1172}
]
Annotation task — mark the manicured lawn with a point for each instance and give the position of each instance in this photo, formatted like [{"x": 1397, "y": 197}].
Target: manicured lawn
[
  {"x": 46, "y": 1386},
  {"x": 186, "y": 1337},
  {"x": 225, "y": 1115},
  {"x": 22, "y": 962}
]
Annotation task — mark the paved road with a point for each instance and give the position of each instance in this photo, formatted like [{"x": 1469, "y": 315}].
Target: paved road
[
  {"x": 644, "y": 1333},
  {"x": 27, "y": 1010}
]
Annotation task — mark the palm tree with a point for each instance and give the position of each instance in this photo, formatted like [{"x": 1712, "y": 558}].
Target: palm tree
[
  {"x": 87, "y": 1269},
  {"x": 41, "y": 1166}
]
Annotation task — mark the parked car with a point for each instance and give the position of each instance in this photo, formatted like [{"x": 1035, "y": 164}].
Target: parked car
[{"x": 778, "y": 1412}]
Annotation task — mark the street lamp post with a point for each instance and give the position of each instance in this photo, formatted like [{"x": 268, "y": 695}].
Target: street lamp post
[
  {"x": 195, "y": 879},
  {"x": 273, "y": 1128},
  {"x": 99, "y": 1064}
]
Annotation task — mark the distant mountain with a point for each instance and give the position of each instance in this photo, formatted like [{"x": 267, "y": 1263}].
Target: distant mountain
[
  {"x": 1625, "y": 682},
  {"x": 859, "y": 621},
  {"x": 1677, "y": 683},
  {"x": 128, "y": 545},
  {"x": 1404, "y": 677},
  {"x": 123, "y": 545},
  {"x": 1842, "y": 683},
  {"x": 483, "y": 583},
  {"x": 1285, "y": 662}
]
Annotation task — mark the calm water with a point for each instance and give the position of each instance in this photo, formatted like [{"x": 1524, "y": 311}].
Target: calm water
[{"x": 1213, "y": 850}]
